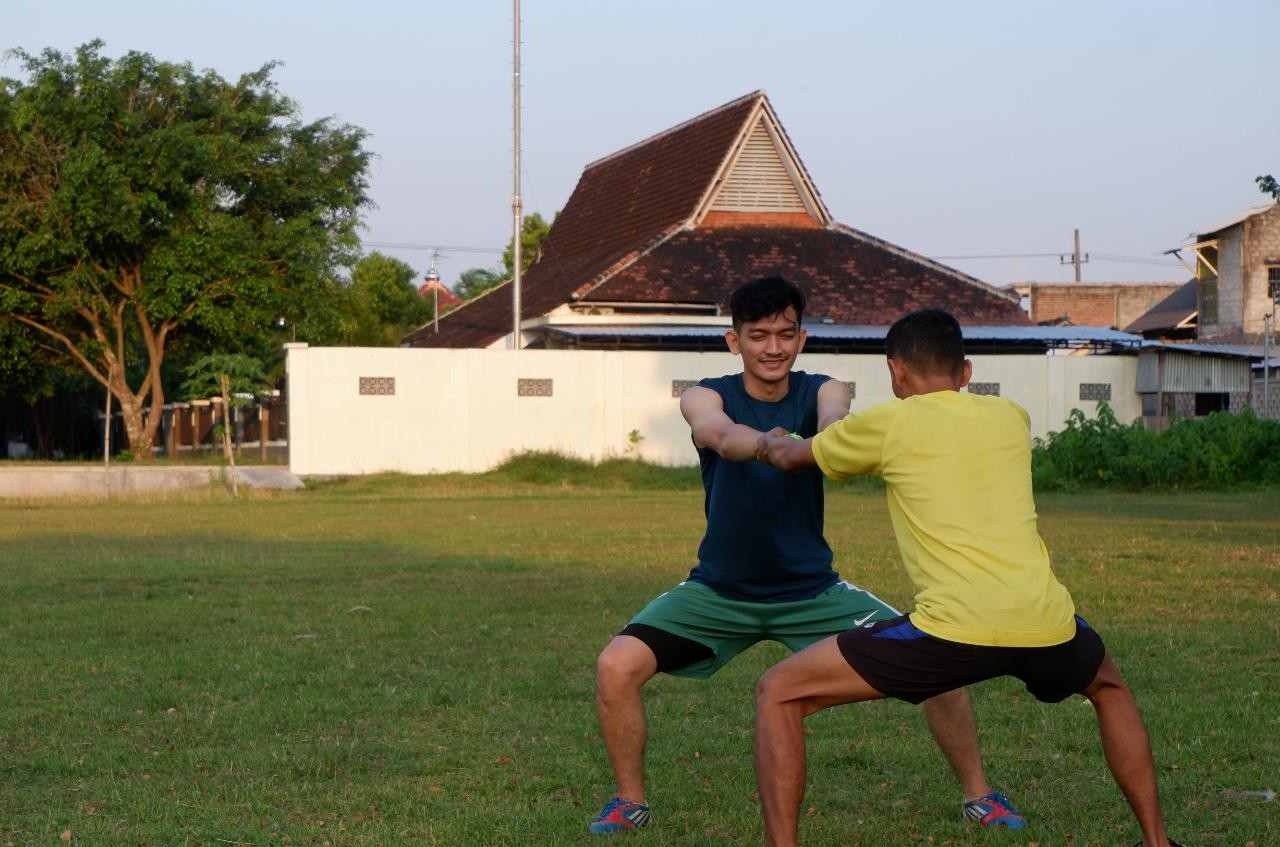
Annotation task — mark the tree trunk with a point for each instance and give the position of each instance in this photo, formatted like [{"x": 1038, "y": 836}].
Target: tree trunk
[{"x": 226, "y": 433}]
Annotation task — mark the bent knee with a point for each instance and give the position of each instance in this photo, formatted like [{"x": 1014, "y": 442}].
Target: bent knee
[
  {"x": 772, "y": 689},
  {"x": 1107, "y": 682},
  {"x": 625, "y": 661}
]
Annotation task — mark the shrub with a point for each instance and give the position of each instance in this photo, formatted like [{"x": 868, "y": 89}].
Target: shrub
[{"x": 1218, "y": 451}]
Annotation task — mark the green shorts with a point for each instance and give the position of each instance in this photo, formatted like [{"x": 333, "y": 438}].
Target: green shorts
[{"x": 727, "y": 627}]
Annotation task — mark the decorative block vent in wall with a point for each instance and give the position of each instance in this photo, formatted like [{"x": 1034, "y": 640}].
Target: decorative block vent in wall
[
  {"x": 991, "y": 389},
  {"x": 533, "y": 388},
  {"x": 375, "y": 385},
  {"x": 680, "y": 386},
  {"x": 853, "y": 390},
  {"x": 1095, "y": 391}
]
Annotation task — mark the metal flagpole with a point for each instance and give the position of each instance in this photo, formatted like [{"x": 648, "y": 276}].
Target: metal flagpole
[{"x": 515, "y": 193}]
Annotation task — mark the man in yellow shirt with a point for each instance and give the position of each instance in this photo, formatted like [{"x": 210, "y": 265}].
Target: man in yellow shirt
[{"x": 958, "y": 468}]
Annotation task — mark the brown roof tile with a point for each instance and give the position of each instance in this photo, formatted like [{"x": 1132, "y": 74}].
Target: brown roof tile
[
  {"x": 848, "y": 277},
  {"x": 621, "y": 238},
  {"x": 622, "y": 204}
]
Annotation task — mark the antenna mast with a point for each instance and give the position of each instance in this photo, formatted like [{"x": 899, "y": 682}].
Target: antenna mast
[{"x": 515, "y": 191}]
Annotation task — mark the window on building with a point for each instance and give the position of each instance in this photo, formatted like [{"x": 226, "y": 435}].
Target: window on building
[
  {"x": 1213, "y": 402},
  {"x": 1273, "y": 283}
]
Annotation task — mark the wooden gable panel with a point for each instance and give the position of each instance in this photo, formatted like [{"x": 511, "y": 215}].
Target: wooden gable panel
[{"x": 758, "y": 180}]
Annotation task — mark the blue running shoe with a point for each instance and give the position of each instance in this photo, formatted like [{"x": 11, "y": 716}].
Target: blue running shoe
[
  {"x": 621, "y": 816},
  {"x": 994, "y": 810}
]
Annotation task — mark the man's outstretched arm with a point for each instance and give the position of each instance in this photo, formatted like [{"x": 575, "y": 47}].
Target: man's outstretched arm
[{"x": 712, "y": 428}]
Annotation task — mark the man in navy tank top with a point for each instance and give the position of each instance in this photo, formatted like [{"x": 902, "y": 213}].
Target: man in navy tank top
[{"x": 764, "y": 568}]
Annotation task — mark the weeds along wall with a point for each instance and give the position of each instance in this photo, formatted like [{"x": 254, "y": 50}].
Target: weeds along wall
[{"x": 367, "y": 410}]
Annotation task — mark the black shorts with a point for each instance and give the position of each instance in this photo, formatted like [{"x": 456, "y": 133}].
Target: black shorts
[{"x": 900, "y": 661}]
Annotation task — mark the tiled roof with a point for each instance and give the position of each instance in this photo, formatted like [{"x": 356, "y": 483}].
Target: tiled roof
[
  {"x": 622, "y": 204},
  {"x": 623, "y": 236},
  {"x": 847, "y": 278}
]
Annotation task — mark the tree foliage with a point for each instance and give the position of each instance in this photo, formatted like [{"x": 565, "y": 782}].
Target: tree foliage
[
  {"x": 475, "y": 281},
  {"x": 141, "y": 198},
  {"x": 1268, "y": 185},
  {"x": 382, "y": 303},
  {"x": 532, "y": 230}
]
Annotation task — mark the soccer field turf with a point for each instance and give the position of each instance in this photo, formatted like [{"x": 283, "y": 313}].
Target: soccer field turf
[{"x": 410, "y": 661}]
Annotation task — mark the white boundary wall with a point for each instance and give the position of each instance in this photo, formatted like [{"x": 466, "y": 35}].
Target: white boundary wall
[{"x": 458, "y": 410}]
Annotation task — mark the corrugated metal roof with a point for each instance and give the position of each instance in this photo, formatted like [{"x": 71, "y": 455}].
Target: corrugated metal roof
[
  {"x": 1231, "y": 221},
  {"x": 1243, "y": 351},
  {"x": 837, "y": 332}
]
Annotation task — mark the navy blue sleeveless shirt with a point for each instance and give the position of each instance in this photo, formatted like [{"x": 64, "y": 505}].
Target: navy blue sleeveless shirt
[{"x": 764, "y": 538}]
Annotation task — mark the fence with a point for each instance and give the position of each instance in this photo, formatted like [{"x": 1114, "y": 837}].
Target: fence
[
  {"x": 189, "y": 429},
  {"x": 364, "y": 410}
]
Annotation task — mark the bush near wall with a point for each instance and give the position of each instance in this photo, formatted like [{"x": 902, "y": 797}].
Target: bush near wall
[{"x": 1216, "y": 452}]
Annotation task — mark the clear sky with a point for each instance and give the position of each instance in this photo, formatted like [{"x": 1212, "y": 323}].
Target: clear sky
[{"x": 952, "y": 129}]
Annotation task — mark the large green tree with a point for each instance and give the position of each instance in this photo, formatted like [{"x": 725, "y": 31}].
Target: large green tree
[
  {"x": 475, "y": 281},
  {"x": 141, "y": 198},
  {"x": 383, "y": 304},
  {"x": 532, "y": 230},
  {"x": 1269, "y": 185}
]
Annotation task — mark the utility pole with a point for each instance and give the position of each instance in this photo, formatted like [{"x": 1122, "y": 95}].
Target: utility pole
[
  {"x": 1076, "y": 258},
  {"x": 515, "y": 191},
  {"x": 1266, "y": 364}
]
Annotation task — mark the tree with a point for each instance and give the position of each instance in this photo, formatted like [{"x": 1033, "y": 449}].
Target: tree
[
  {"x": 230, "y": 375},
  {"x": 1268, "y": 185},
  {"x": 139, "y": 198},
  {"x": 532, "y": 230},
  {"x": 475, "y": 281},
  {"x": 383, "y": 305}
]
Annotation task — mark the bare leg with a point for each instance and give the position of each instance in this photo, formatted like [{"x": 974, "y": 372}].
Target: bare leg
[
  {"x": 953, "y": 726},
  {"x": 623, "y": 668},
  {"x": 816, "y": 678},
  {"x": 1128, "y": 752}
]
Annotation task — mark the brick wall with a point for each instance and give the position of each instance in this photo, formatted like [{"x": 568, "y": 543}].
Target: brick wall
[
  {"x": 1261, "y": 249},
  {"x": 788, "y": 219},
  {"x": 1230, "y": 281},
  {"x": 1273, "y": 392},
  {"x": 1097, "y": 305}
]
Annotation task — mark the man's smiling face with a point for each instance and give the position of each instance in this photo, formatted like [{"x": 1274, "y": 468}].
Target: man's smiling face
[{"x": 768, "y": 346}]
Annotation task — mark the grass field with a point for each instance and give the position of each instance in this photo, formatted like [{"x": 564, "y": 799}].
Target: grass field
[{"x": 410, "y": 661}]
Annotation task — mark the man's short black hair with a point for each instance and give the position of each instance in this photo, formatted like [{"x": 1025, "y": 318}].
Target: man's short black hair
[
  {"x": 761, "y": 298},
  {"x": 927, "y": 341}
]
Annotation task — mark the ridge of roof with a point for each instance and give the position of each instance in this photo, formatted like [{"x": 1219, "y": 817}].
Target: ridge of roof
[
  {"x": 625, "y": 262},
  {"x": 1005, "y": 293},
  {"x": 1238, "y": 217},
  {"x": 758, "y": 93},
  {"x": 825, "y": 214}
]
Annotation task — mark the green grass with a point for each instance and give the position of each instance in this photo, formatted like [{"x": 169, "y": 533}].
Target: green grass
[{"x": 399, "y": 660}]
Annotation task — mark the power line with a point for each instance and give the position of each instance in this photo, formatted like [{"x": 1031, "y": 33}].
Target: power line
[
  {"x": 408, "y": 245},
  {"x": 1108, "y": 257}
]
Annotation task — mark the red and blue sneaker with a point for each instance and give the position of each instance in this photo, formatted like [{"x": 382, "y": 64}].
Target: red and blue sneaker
[
  {"x": 621, "y": 816},
  {"x": 994, "y": 810}
]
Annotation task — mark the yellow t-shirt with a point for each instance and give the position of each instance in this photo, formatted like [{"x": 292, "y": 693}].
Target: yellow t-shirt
[{"x": 958, "y": 467}]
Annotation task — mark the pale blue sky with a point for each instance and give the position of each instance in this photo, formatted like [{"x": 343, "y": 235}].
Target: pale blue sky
[{"x": 950, "y": 128}]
